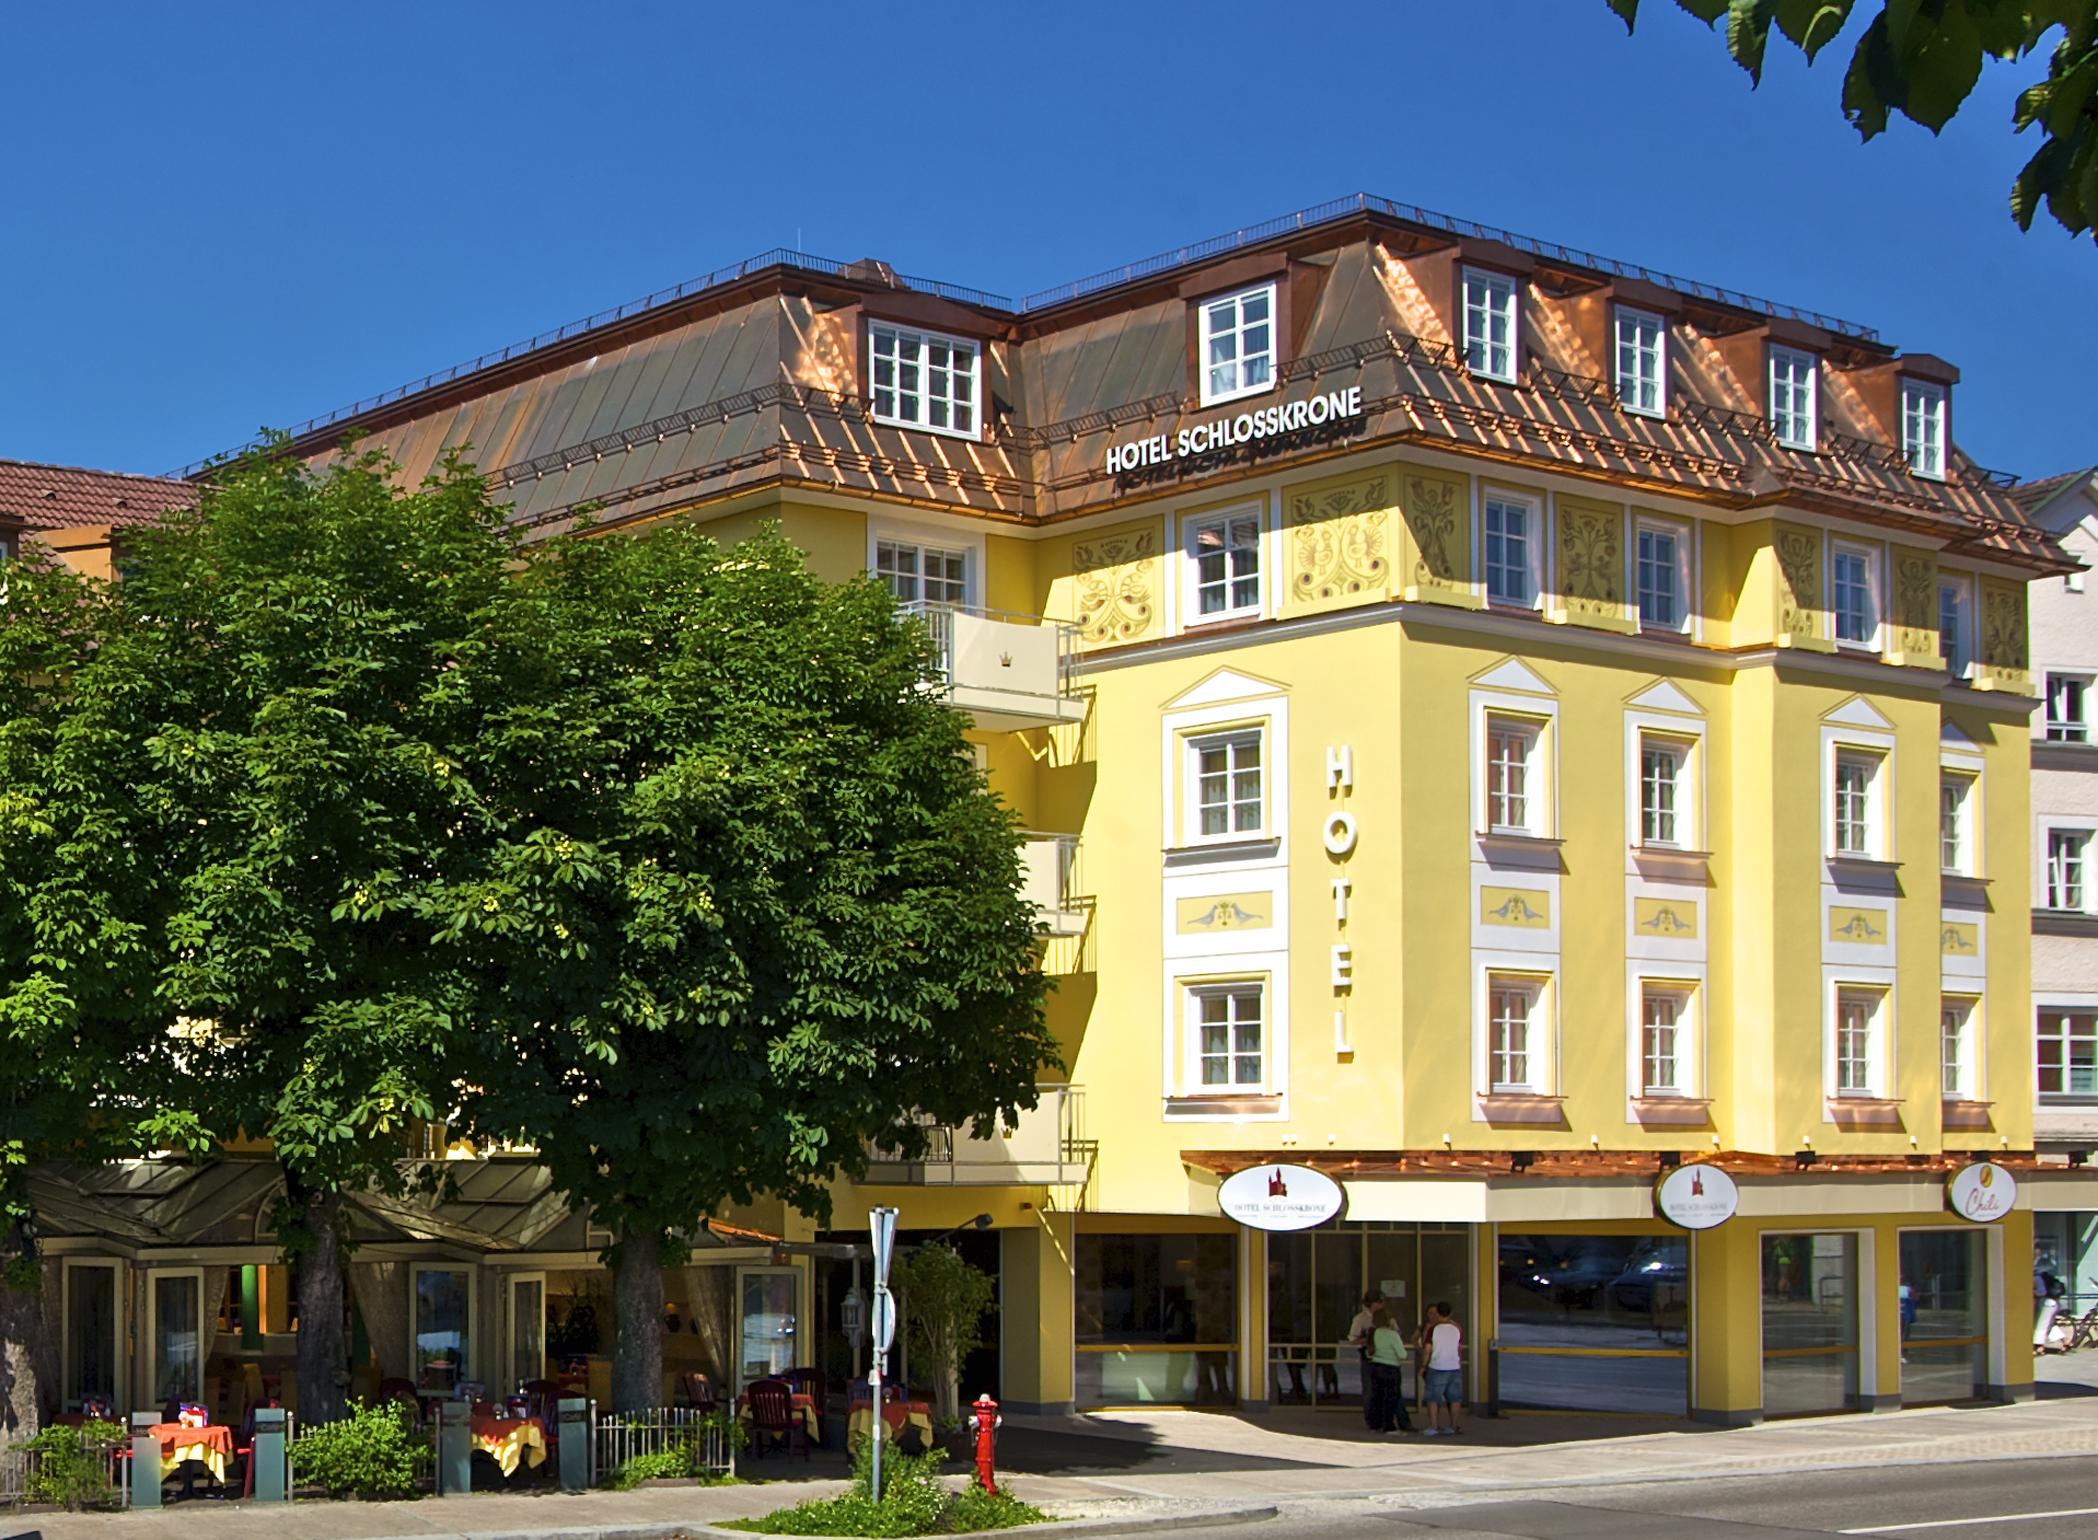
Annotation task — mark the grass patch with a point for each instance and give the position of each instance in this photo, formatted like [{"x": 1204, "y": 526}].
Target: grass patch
[{"x": 913, "y": 1502}]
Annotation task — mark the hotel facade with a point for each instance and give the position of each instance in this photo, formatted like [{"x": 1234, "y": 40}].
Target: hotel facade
[{"x": 1501, "y": 727}]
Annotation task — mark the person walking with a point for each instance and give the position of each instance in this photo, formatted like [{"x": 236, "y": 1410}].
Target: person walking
[
  {"x": 1358, "y": 1338},
  {"x": 1386, "y": 1403},
  {"x": 1443, "y": 1381}
]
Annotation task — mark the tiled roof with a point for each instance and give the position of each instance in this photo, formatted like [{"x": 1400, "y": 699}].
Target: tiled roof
[
  {"x": 64, "y": 496},
  {"x": 2032, "y": 494}
]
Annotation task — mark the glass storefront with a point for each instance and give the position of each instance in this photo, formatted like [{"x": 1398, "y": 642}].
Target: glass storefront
[
  {"x": 1944, "y": 1315},
  {"x": 1595, "y": 1321},
  {"x": 91, "y": 1333},
  {"x": 1316, "y": 1280},
  {"x": 439, "y": 1350},
  {"x": 1810, "y": 1324},
  {"x": 1157, "y": 1319},
  {"x": 178, "y": 1362}
]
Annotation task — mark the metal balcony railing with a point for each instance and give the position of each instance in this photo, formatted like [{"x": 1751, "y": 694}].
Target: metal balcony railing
[
  {"x": 1007, "y": 670},
  {"x": 1045, "y": 1147}
]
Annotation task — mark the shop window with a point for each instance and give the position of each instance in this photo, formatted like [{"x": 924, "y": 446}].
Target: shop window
[
  {"x": 924, "y": 380},
  {"x": 1156, "y": 1319},
  {"x": 1810, "y": 1324},
  {"x": 1226, "y": 786},
  {"x": 1792, "y": 398},
  {"x": 1238, "y": 344},
  {"x": 1315, "y": 1283},
  {"x": 2067, "y": 1066},
  {"x": 441, "y": 1307},
  {"x": 1223, "y": 553},
  {"x": 90, "y": 1368},
  {"x": 1944, "y": 1315},
  {"x": 1642, "y": 363},
  {"x": 175, "y": 1334},
  {"x": 1514, "y": 541},
  {"x": 1923, "y": 427},
  {"x": 1568, "y": 1300},
  {"x": 1489, "y": 324}
]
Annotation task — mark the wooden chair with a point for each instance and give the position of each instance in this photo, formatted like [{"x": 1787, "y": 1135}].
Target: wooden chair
[
  {"x": 699, "y": 1391},
  {"x": 773, "y": 1419},
  {"x": 398, "y": 1388}
]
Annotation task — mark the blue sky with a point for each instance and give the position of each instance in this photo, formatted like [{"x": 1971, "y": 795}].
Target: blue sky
[{"x": 220, "y": 216}]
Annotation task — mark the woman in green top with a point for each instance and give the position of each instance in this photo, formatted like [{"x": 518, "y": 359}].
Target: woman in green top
[{"x": 1387, "y": 1346}]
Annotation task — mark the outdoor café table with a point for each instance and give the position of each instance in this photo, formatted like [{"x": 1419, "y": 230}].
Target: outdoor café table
[
  {"x": 895, "y": 1416},
  {"x": 508, "y": 1440},
  {"x": 804, "y": 1408},
  {"x": 210, "y": 1446}
]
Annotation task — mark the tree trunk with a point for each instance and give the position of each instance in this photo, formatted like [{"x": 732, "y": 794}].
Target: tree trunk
[
  {"x": 21, "y": 1333},
  {"x": 637, "y": 1355},
  {"x": 324, "y": 1350}
]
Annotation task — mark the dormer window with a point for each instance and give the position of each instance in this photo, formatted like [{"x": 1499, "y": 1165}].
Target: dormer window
[
  {"x": 924, "y": 380},
  {"x": 1793, "y": 404},
  {"x": 1238, "y": 344},
  {"x": 1642, "y": 362},
  {"x": 1489, "y": 324},
  {"x": 1923, "y": 427}
]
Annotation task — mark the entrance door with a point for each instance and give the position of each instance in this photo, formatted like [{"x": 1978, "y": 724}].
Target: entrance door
[
  {"x": 90, "y": 1369},
  {"x": 1944, "y": 1315},
  {"x": 766, "y": 1331},
  {"x": 525, "y": 1355},
  {"x": 1810, "y": 1324},
  {"x": 175, "y": 1334}
]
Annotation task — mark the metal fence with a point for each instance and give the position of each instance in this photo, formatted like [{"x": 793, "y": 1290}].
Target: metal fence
[
  {"x": 622, "y": 1436},
  {"x": 18, "y": 1471}
]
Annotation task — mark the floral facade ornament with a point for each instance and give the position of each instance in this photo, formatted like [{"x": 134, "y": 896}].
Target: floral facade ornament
[
  {"x": 2003, "y": 626},
  {"x": 1436, "y": 519},
  {"x": 1340, "y": 541},
  {"x": 1118, "y": 575},
  {"x": 1591, "y": 559},
  {"x": 1916, "y": 605},
  {"x": 1799, "y": 583}
]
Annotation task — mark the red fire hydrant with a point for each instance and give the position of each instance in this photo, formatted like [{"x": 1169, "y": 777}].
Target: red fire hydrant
[{"x": 983, "y": 1422}]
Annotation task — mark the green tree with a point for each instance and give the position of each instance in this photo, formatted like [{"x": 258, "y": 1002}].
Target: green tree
[
  {"x": 1921, "y": 58},
  {"x": 945, "y": 1300},
  {"x": 755, "y": 905},
  {"x": 87, "y": 1061},
  {"x": 290, "y": 671}
]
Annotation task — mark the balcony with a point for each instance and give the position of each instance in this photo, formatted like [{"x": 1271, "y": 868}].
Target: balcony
[
  {"x": 1046, "y": 1148},
  {"x": 1006, "y": 671},
  {"x": 1048, "y": 880}
]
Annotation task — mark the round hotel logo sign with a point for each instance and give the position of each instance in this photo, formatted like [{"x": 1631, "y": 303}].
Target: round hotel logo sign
[
  {"x": 1696, "y": 1197},
  {"x": 1280, "y": 1197},
  {"x": 1981, "y": 1192}
]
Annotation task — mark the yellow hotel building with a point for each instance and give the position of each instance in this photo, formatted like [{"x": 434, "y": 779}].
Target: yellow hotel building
[{"x": 1502, "y": 725}]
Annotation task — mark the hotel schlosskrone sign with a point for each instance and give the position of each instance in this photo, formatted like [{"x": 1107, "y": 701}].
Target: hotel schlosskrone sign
[{"x": 1247, "y": 435}]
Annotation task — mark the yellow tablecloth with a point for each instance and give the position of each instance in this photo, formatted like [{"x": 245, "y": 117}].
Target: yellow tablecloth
[
  {"x": 805, "y": 1408},
  {"x": 508, "y": 1441},
  {"x": 896, "y": 1416}
]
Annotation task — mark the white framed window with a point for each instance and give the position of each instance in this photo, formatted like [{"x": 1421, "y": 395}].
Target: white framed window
[
  {"x": 2068, "y": 696},
  {"x": 1793, "y": 403},
  {"x": 1227, "y": 1036},
  {"x": 1664, "y": 1040},
  {"x": 1513, "y": 531},
  {"x": 1515, "y": 1051},
  {"x": 1957, "y": 1048},
  {"x": 1642, "y": 362},
  {"x": 1923, "y": 427},
  {"x": 1855, "y": 814},
  {"x": 1955, "y": 635},
  {"x": 1662, "y": 559},
  {"x": 440, "y": 1322},
  {"x": 91, "y": 1306},
  {"x": 1859, "y": 1052},
  {"x": 1223, "y": 554},
  {"x": 1226, "y": 790},
  {"x": 1854, "y": 594},
  {"x": 1664, "y": 790},
  {"x": 2066, "y": 1062},
  {"x": 1956, "y": 823},
  {"x": 924, "y": 380},
  {"x": 2068, "y": 870},
  {"x": 1238, "y": 344},
  {"x": 922, "y": 573},
  {"x": 1514, "y": 790},
  {"x": 1489, "y": 324}
]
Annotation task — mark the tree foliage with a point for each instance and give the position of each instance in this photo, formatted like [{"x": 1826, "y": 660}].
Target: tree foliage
[
  {"x": 945, "y": 1300},
  {"x": 1922, "y": 58}
]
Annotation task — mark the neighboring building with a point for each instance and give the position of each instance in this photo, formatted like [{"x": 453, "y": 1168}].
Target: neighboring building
[
  {"x": 2064, "y": 899},
  {"x": 78, "y": 515},
  {"x": 1492, "y": 744}
]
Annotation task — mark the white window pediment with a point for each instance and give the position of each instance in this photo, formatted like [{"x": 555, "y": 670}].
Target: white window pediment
[
  {"x": 1665, "y": 695},
  {"x": 1859, "y": 712},
  {"x": 1226, "y": 684},
  {"x": 1513, "y": 674},
  {"x": 1950, "y": 737}
]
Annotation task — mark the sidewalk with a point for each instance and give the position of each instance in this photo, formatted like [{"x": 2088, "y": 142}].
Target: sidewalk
[{"x": 1183, "y": 1466}]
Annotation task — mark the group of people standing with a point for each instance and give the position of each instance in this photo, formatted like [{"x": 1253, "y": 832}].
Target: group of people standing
[{"x": 1439, "y": 1343}]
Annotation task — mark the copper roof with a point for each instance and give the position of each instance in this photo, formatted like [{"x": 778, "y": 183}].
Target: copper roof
[{"x": 62, "y": 496}]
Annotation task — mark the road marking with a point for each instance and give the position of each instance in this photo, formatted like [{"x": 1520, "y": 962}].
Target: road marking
[{"x": 1995, "y": 1518}]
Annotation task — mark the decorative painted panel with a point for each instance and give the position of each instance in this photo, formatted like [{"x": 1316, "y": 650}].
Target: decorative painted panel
[
  {"x": 1857, "y": 927},
  {"x": 2003, "y": 657},
  {"x": 1224, "y": 911},
  {"x": 1591, "y": 579},
  {"x": 1437, "y": 510},
  {"x": 1121, "y": 585},
  {"x": 1799, "y": 585},
  {"x": 1666, "y": 919},
  {"x": 1526, "y": 908},
  {"x": 1958, "y": 938},
  {"x": 1913, "y": 641},
  {"x": 1339, "y": 542}
]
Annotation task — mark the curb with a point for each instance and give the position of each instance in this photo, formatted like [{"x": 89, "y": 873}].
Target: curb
[{"x": 672, "y": 1529}]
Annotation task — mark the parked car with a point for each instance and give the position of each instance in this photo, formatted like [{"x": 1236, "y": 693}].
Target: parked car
[{"x": 1655, "y": 1273}]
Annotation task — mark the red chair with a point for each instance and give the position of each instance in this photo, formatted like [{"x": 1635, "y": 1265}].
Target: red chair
[
  {"x": 244, "y": 1449},
  {"x": 396, "y": 1388},
  {"x": 774, "y": 1420},
  {"x": 699, "y": 1391}
]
